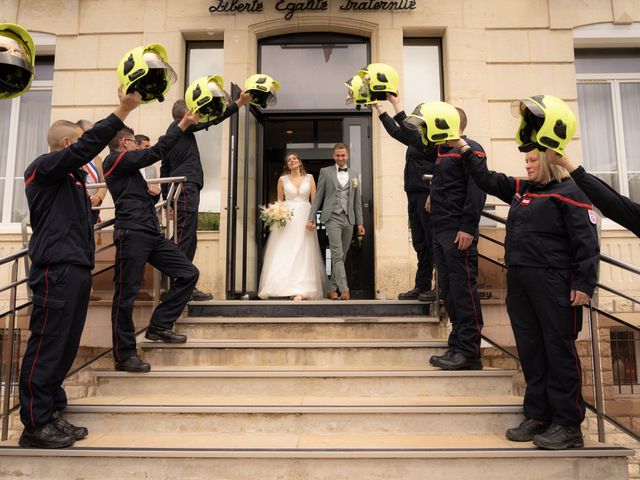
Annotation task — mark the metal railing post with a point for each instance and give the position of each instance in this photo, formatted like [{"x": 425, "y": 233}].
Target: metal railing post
[
  {"x": 597, "y": 373},
  {"x": 8, "y": 363}
]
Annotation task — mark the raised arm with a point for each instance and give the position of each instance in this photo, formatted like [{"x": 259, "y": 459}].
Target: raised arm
[
  {"x": 612, "y": 205},
  {"x": 88, "y": 146}
]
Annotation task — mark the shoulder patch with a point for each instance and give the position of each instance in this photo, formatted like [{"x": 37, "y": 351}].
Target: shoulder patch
[{"x": 593, "y": 217}]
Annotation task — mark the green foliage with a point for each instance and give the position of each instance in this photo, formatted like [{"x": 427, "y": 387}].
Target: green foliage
[{"x": 209, "y": 221}]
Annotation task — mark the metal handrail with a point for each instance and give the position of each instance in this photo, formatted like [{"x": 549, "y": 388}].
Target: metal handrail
[
  {"x": 599, "y": 407},
  {"x": 8, "y": 366}
]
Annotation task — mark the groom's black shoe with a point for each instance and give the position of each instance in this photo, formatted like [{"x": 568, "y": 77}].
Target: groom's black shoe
[{"x": 332, "y": 295}]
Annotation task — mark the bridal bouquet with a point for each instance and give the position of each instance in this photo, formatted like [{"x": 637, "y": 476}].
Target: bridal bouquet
[{"x": 277, "y": 214}]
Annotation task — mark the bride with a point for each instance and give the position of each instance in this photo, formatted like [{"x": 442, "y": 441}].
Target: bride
[{"x": 293, "y": 265}]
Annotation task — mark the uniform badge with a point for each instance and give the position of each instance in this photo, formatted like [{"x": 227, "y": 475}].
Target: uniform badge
[{"x": 593, "y": 218}]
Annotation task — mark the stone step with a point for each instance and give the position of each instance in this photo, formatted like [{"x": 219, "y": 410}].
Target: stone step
[
  {"x": 312, "y": 328},
  {"x": 319, "y": 352},
  {"x": 314, "y": 381},
  {"x": 311, "y": 415},
  {"x": 310, "y": 457},
  {"x": 310, "y": 308}
]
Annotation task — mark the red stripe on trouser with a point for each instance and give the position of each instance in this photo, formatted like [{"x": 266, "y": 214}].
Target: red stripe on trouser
[
  {"x": 473, "y": 303},
  {"x": 33, "y": 366},
  {"x": 115, "y": 322},
  {"x": 184, "y": 223},
  {"x": 575, "y": 356}
]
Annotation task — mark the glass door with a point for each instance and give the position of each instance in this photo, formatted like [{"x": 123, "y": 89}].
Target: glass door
[
  {"x": 356, "y": 133},
  {"x": 245, "y": 158}
]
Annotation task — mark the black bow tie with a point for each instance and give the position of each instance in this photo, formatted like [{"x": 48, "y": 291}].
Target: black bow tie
[{"x": 345, "y": 169}]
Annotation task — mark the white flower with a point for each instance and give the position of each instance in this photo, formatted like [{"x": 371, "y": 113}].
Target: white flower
[{"x": 355, "y": 183}]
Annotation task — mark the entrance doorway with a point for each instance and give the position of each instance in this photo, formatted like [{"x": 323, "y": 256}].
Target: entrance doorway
[{"x": 308, "y": 121}]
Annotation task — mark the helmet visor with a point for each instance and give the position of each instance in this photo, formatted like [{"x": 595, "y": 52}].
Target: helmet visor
[
  {"x": 14, "y": 52},
  {"x": 218, "y": 92},
  {"x": 519, "y": 107},
  {"x": 154, "y": 61}
]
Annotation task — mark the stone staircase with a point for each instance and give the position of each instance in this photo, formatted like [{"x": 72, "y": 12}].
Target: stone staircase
[{"x": 303, "y": 390}]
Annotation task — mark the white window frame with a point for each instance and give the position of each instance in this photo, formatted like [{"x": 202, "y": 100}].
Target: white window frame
[
  {"x": 603, "y": 36},
  {"x": 45, "y": 46},
  {"x": 614, "y": 80}
]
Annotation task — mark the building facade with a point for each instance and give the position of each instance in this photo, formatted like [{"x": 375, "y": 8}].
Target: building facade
[{"x": 477, "y": 54}]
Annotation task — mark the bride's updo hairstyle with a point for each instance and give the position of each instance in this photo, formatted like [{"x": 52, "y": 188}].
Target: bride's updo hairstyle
[{"x": 286, "y": 170}]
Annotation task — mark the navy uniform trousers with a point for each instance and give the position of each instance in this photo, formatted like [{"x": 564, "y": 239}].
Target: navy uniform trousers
[
  {"x": 60, "y": 301},
  {"x": 457, "y": 272},
  {"x": 187, "y": 235},
  {"x": 134, "y": 249},
  {"x": 421, "y": 238},
  {"x": 545, "y": 326}
]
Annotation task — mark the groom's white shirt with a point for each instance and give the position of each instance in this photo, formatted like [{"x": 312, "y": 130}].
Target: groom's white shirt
[{"x": 343, "y": 177}]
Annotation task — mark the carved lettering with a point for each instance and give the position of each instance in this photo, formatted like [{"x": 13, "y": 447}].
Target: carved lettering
[
  {"x": 236, "y": 6},
  {"x": 375, "y": 5},
  {"x": 290, "y": 7}
]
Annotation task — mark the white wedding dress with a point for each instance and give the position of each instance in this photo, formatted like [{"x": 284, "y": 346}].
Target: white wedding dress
[{"x": 292, "y": 261}]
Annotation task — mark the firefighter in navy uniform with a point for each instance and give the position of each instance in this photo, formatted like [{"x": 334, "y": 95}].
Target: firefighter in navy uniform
[
  {"x": 139, "y": 240},
  {"x": 62, "y": 256},
  {"x": 184, "y": 159},
  {"x": 419, "y": 160},
  {"x": 456, "y": 205},
  {"x": 551, "y": 249},
  {"x": 610, "y": 203}
]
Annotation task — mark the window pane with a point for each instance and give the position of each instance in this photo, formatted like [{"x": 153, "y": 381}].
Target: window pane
[
  {"x": 35, "y": 115},
  {"x": 5, "y": 119},
  {"x": 597, "y": 131},
  {"x": 421, "y": 79},
  {"x": 608, "y": 60},
  {"x": 630, "y": 100},
  {"x": 44, "y": 68},
  {"x": 202, "y": 62},
  {"x": 312, "y": 76}
]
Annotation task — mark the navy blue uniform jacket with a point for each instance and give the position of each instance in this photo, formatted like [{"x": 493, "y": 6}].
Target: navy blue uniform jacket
[
  {"x": 59, "y": 207},
  {"x": 135, "y": 209},
  {"x": 184, "y": 159},
  {"x": 419, "y": 160},
  {"x": 549, "y": 226}
]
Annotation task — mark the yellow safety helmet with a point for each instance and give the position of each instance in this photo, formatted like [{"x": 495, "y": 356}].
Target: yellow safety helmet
[
  {"x": 147, "y": 71},
  {"x": 358, "y": 92},
  {"x": 437, "y": 122},
  {"x": 381, "y": 79},
  {"x": 17, "y": 60},
  {"x": 546, "y": 122},
  {"x": 207, "y": 97},
  {"x": 263, "y": 89}
]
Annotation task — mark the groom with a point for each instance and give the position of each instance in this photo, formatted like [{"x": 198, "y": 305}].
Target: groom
[{"x": 339, "y": 194}]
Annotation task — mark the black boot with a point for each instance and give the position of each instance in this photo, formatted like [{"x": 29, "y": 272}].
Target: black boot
[
  {"x": 198, "y": 296},
  {"x": 65, "y": 427},
  {"x": 410, "y": 295},
  {"x": 46, "y": 436},
  {"x": 559, "y": 437},
  {"x": 528, "y": 429},
  {"x": 457, "y": 361},
  {"x": 164, "y": 335},
  {"x": 427, "y": 296},
  {"x": 435, "y": 358},
  {"x": 133, "y": 364}
]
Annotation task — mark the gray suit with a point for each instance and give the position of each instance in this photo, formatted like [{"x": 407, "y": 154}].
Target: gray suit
[{"x": 341, "y": 210}]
